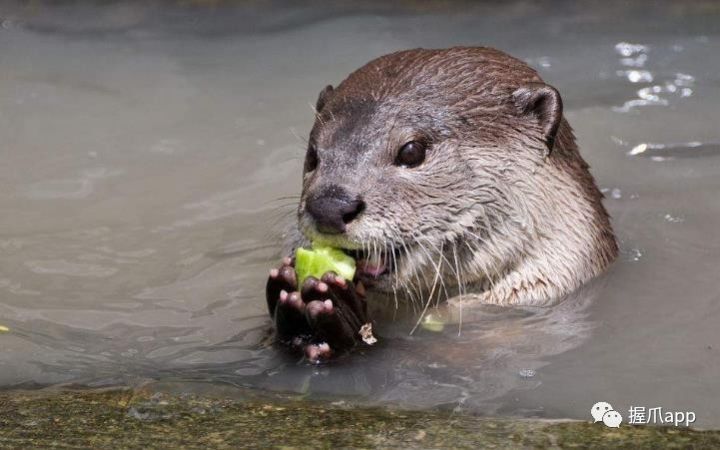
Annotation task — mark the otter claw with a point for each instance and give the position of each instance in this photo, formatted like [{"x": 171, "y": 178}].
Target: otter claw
[
  {"x": 340, "y": 291},
  {"x": 317, "y": 308},
  {"x": 313, "y": 289},
  {"x": 317, "y": 353},
  {"x": 333, "y": 279}
]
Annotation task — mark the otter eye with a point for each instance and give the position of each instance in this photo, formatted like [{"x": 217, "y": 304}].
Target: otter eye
[
  {"x": 311, "y": 159},
  {"x": 412, "y": 154}
]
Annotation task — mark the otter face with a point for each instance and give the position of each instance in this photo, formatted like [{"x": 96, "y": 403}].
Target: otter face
[{"x": 413, "y": 161}]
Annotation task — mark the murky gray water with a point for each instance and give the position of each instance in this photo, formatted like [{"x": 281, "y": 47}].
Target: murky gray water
[{"x": 150, "y": 156}]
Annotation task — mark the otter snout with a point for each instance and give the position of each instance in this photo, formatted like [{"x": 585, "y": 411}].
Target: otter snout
[{"x": 332, "y": 208}]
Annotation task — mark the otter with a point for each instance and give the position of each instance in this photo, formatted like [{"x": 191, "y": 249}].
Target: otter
[{"x": 448, "y": 170}]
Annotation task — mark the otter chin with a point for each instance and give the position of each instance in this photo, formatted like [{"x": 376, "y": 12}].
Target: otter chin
[{"x": 453, "y": 168}]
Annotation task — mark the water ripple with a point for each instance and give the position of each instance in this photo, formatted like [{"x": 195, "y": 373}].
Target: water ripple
[{"x": 63, "y": 267}]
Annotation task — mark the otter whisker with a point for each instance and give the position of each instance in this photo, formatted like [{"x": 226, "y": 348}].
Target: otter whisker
[
  {"x": 376, "y": 252},
  {"x": 318, "y": 117},
  {"x": 438, "y": 268},
  {"x": 427, "y": 255},
  {"x": 286, "y": 197},
  {"x": 410, "y": 264},
  {"x": 292, "y": 205},
  {"x": 431, "y": 259},
  {"x": 485, "y": 272},
  {"x": 395, "y": 280},
  {"x": 280, "y": 216},
  {"x": 422, "y": 275},
  {"x": 427, "y": 303},
  {"x": 412, "y": 289},
  {"x": 484, "y": 269},
  {"x": 461, "y": 288},
  {"x": 300, "y": 138},
  {"x": 442, "y": 256},
  {"x": 380, "y": 246}
]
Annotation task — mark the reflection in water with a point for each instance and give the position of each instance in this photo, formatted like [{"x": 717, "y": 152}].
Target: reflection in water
[
  {"x": 152, "y": 157},
  {"x": 635, "y": 56},
  {"x": 478, "y": 354},
  {"x": 662, "y": 152}
]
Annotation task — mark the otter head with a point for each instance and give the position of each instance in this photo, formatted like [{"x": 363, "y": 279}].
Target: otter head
[{"x": 421, "y": 164}]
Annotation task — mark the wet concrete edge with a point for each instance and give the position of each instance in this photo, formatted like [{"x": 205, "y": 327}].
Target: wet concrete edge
[{"x": 127, "y": 418}]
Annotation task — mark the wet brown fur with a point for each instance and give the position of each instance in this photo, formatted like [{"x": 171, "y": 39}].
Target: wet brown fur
[{"x": 504, "y": 207}]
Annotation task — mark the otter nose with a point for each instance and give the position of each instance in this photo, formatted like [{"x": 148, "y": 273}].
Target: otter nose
[{"x": 332, "y": 208}]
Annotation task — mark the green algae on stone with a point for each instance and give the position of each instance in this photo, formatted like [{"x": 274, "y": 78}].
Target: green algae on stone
[{"x": 129, "y": 419}]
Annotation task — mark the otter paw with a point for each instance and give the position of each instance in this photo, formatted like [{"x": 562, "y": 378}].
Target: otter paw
[
  {"x": 323, "y": 317},
  {"x": 334, "y": 311},
  {"x": 349, "y": 296},
  {"x": 281, "y": 279},
  {"x": 330, "y": 325},
  {"x": 290, "y": 319}
]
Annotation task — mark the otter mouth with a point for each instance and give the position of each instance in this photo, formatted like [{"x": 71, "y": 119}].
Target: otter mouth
[{"x": 375, "y": 264}]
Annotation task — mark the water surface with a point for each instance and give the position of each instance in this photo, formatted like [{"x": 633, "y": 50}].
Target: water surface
[{"x": 151, "y": 155}]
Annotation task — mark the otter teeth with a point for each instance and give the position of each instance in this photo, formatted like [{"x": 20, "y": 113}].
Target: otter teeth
[{"x": 373, "y": 266}]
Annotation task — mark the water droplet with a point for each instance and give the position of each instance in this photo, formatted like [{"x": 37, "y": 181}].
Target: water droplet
[
  {"x": 618, "y": 141},
  {"x": 674, "y": 219},
  {"x": 640, "y": 148},
  {"x": 662, "y": 152},
  {"x": 639, "y": 61},
  {"x": 636, "y": 76},
  {"x": 683, "y": 79},
  {"x": 628, "y": 49},
  {"x": 527, "y": 373},
  {"x": 634, "y": 254}
]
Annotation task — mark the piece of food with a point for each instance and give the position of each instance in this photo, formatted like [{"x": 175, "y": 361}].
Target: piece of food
[
  {"x": 4, "y": 329},
  {"x": 367, "y": 335},
  {"x": 320, "y": 259},
  {"x": 433, "y": 323}
]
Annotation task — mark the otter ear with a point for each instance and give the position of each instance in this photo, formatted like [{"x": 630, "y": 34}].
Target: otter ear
[
  {"x": 542, "y": 102},
  {"x": 323, "y": 97}
]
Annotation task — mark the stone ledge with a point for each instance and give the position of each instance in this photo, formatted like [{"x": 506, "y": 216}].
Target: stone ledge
[{"x": 138, "y": 419}]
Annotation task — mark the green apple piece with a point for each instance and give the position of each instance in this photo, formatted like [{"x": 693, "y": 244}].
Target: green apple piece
[
  {"x": 320, "y": 259},
  {"x": 433, "y": 323}
]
